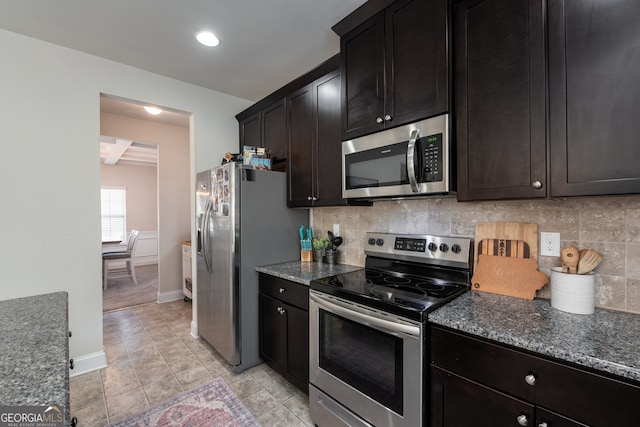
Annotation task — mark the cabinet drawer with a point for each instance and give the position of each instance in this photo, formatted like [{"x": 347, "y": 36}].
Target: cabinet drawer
[
  {"x": 285, "y": 290},
  {"x": 584, "y": 396}
]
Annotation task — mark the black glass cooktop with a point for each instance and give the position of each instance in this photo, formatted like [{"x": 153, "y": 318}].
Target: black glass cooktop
[{"x": 408, "y": 295}]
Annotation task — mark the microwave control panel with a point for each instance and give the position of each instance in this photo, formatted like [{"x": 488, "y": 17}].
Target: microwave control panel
[{"x": 432, "y": 168}]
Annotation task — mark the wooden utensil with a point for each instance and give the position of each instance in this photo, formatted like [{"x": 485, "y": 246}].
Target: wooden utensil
[
  {"x": 589, "y": 260},
  {"x": 570, "y": 257}
]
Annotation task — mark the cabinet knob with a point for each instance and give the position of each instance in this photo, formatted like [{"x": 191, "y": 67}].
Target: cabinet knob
[
  {"x": 387, "y": 118},
  {"x": 537, "y": 184},
  {"x": 543, "y": 424},
  {"x": 379, "y": 120},
  {"x": 281, "y": 310},
  {"x": 282, "y": 290},
  {"x": 309, "y": 198},
  {"x": 70, "y": 333},
  {"x": 530, "y": 379},
  {"x": 522, "y": 420}
]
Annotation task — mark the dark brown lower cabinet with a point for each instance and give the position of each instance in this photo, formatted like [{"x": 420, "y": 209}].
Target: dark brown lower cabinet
[
  {"x": 480, "y": 382},
  {"x": 458, "y": 401},
  {"x": 284, "y": 328}
]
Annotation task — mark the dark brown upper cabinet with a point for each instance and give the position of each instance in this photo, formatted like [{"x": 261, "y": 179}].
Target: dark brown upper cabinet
[
  {"x": 500, "y": 99},
  {"x": 301, "y": 159},
  {"x": 395, "y": 67},
  {"x": 267, "y": 128},
  {"x": 315, "y": 147},
  {"x": 300, "y": 124},
  {"x": 594, "y": 97}
]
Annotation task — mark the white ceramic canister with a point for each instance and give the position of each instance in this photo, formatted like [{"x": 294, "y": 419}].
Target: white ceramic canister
[{"x": 573, "y": 293}]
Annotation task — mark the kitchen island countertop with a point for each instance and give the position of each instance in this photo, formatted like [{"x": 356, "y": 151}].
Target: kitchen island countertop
[
  {"x": 34, "y": 367},
  {"x": 606, "y": 340},
  {"x": 305, "y": 272}
]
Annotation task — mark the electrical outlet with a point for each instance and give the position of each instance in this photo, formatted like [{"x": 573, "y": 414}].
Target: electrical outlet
[
  {"x": 336, "y": 229},
  {"x": 550, "y": 244}
]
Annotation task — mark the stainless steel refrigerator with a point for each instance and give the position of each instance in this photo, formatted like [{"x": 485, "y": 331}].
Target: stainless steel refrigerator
[{"x": 242, "y": 222}]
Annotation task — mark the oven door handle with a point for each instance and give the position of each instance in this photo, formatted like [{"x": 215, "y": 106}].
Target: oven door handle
[
  {"x": 411, "y": 168},
  {"x": 350, "y": 313}
]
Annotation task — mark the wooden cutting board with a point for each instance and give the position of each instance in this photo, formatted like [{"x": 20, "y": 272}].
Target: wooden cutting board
[
  {"x": 506, "y": 259},
  {"x": 524, "y": 231},
  {"x": 502, "y": 247}
]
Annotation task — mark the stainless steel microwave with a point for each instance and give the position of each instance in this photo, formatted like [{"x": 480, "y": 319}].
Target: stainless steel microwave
[{"x": 410, "y": 160}]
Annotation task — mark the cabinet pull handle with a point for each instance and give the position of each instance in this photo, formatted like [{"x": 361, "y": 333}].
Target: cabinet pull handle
[
  {"x": 522, "y": 420},
  {"x": 379, "y": 120},
  {"x": 281, "y": 310},
  {"x": 537, "y": 185},
  {"x": 387, "y": 118},
  {"x": 282, "y": 290},
  {"x": 543, "y": 424},
  {"x": 71, "y": 364},
  {"x": 530, "y": 379}
]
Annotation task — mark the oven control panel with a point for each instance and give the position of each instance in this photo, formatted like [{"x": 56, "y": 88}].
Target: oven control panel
[
  {"x": 409, "y": 244},
  {"x": 436, "y": 250}
]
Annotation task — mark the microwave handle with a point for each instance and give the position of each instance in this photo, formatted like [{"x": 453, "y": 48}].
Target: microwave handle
[{"x": 411, "y": 168}]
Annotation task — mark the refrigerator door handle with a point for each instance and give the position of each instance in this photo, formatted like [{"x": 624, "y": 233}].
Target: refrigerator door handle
[{"x": 206, "y": 218}]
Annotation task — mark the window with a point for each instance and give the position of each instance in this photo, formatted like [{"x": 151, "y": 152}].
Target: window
[{"x": 114, "y": 213}]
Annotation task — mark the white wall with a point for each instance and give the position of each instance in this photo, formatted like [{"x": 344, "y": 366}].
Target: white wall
[
  {"x": 50, "y": 171},
  {"x": 142, "y": 190}
]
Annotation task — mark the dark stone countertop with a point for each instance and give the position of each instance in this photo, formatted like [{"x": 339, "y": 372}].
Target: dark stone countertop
[
  {"x": 305, "y": 272},
  {"x": 607, "y": 340},
  {"x": 34, "y": 351}
]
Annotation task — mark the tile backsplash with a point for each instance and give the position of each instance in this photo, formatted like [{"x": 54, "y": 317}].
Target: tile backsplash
[{"x": 609, "y": 225}]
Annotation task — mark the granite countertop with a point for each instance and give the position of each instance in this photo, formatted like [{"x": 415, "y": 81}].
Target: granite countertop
[
  {"x": 34, "y": 361},
  {"x": 305, "y": 272},
  {"x": 606, "y": 340}
]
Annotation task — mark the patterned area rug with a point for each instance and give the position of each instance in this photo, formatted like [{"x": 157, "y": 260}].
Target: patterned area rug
[
  {"x": 212, "y": 404},
  {"x": 122, "y": 293}
]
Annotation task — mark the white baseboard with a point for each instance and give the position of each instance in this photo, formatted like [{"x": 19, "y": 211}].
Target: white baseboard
[
  {"x": 170, "y": 296},
  {"x": 145, "y": 260},
  {"x": 88, "y": 363}
]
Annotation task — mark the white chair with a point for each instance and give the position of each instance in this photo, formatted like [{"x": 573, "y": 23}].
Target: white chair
[{"x": 120, "y": 255}]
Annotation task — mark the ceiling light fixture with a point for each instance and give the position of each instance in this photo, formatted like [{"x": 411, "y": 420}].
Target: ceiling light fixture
[
  {"x": 207, "y": 38},
  {"x": 154, "y": 111}
]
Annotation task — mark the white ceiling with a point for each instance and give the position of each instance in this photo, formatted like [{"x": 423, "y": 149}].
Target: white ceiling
[
  {"x": 264, "y": 43},
  {"x": 133, "y": 109}
]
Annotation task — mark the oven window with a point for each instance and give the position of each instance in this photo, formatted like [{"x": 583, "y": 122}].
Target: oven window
[
  {"x": 378, "y": 167},
  {"x": 365, "y": 358}
]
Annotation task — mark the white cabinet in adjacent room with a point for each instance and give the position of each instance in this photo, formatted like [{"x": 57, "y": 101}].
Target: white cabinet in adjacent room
[{"x": 186, "y": 270}]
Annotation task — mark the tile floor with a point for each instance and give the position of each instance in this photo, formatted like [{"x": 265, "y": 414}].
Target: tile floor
[{"x": 152, "y": 357}]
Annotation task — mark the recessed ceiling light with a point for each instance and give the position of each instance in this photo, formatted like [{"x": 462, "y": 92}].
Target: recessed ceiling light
[
  {"x": 152, "y": 110},
  {"x": 207, "y": 38}
]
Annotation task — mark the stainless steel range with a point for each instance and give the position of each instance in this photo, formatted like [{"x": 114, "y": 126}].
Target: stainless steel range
[{"x": 367, "y": 329}]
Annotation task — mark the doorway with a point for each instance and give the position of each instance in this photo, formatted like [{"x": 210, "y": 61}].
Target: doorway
[{"x": 150, "y": 157}]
